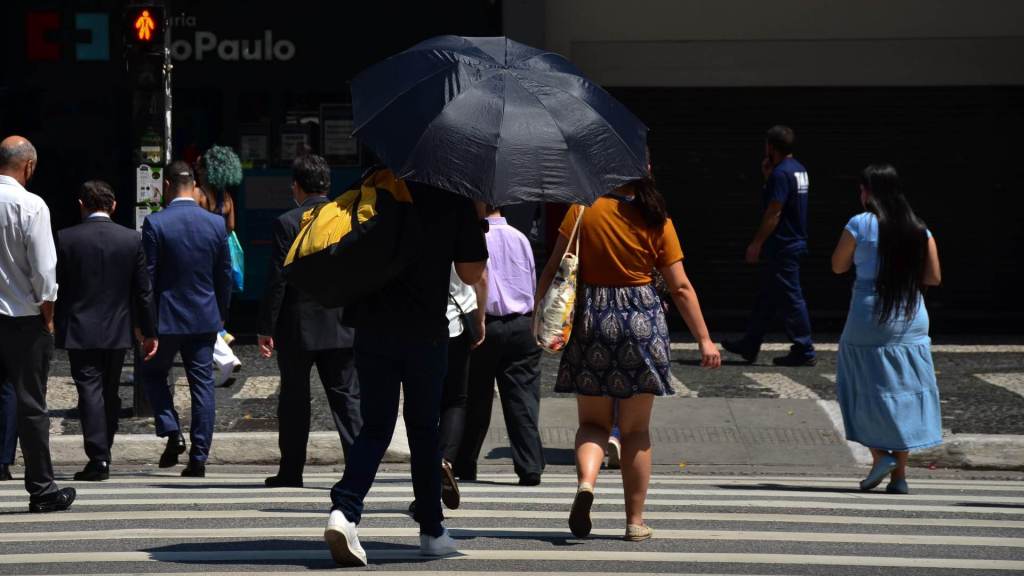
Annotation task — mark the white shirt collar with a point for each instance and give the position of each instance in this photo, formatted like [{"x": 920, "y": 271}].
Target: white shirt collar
[
  {"x": 193, "y": 200},
  {"x": 98, "y": 215},
  {"x": 4, "y": 179}
]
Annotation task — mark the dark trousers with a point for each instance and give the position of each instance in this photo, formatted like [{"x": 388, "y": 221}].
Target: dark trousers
[
  {"x": 8, "y": 422},
  {"x": 97, "y": 375},
  {"x": 197, "y": 356},
  {"x": 509, "y": 354},
  {"x": 453, "y": 399},
  {"x": 25, "y": 352},
  {"x": 338, "y": 375},
  {"x": 781, "y": 297},
  {"x": 387, "y": 364}
]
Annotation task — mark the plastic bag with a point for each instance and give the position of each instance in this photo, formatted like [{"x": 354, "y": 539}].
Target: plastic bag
[{"x": 237, "y": 262}]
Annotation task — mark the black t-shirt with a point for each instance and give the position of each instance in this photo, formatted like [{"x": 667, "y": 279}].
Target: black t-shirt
[{"x": 414, "y": 305}]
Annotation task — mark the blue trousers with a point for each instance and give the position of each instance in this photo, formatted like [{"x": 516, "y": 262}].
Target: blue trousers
[
  {"x": 197, "y": 357},
  {"x": 781, "y": 298},
  {"x": 8, "y": 422},
  {"x": 385, "y": 365}
]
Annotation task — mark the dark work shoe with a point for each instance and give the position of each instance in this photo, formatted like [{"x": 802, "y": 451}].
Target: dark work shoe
[
  {"x": 529, "y": 480},
  {"x": 449, "y": 487},
  {"x": 5, "y": 472},
  {"x": 736, "y": 347},
  {"x": 59, "y": 500},
  {"x": 280, "y": 481},
  {"x": 195, "y": 469},
  {"x": 94, "y": 471},
  {"x": 175, "y": 447},
  {"x": 795, "y": 360}
]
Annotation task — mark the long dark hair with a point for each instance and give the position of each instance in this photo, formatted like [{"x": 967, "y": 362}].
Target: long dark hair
[
  {"x": 650, "y": 202},
  {"x": 902, "y": 243}
]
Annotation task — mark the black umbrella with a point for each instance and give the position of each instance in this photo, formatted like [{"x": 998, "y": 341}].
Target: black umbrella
[{"x": 497, "y": 121}]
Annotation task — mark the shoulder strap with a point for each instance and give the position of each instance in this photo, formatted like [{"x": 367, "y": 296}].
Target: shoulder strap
[{"x": 575, "y": 234}]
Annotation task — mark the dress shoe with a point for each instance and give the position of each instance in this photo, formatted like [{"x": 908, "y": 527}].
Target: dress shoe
[
  {"x": 195, "y": 469},
  {"x": 795, "y": 360},
  {"x": 529, "y": 480},
  {"x": 175, "y": 447},
  {"x": 449, "y": 487},
  {"x": 736, "y": 347},
  {"x": 59, "y": 500},
  {"x": 280, "y": 481},
  {"x": 5, "y": 472},
  {"x": 94, "y": 471}
]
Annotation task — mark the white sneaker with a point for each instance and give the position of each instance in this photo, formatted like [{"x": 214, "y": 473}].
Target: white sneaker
[
  {"x": 343, "y": 540},
  {"x": 443, "y": 545},
  {"x": 614, "y": 453}
]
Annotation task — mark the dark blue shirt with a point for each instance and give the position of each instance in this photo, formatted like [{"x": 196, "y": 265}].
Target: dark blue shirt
[{"x": 788, "y": 185}]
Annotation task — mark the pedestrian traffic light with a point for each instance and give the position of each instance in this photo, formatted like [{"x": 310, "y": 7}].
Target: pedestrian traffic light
[{"x": 144, "y": 27}]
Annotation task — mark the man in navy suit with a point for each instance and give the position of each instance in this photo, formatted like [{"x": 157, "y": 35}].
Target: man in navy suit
[{"x": 190, "y": 268}]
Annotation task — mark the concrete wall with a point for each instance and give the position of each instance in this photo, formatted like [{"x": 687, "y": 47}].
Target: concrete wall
[{"x": 780, "y": 42}]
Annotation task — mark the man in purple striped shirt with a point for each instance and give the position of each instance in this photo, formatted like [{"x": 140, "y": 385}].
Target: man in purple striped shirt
[{"x": 509, "y": 354}]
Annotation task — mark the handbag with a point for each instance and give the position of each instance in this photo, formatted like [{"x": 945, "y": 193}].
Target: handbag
[
  {"x": 469, "y": 327},
  {"x": 553, "y": 326},
  {"x": 237, "y": 262}
]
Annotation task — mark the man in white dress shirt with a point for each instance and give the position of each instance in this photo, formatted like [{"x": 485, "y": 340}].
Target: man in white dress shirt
[{"x": 28, "y": 289}]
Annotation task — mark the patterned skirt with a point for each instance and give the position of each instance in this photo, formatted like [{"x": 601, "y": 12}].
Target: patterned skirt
[{"x": 619, "y": 344}]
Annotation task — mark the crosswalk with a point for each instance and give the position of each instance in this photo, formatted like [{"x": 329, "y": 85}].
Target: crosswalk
[{"x": 228, "y": 523}]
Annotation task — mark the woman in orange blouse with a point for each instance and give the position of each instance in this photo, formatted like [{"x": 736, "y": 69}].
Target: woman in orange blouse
[{"x": 619, "y": 347}]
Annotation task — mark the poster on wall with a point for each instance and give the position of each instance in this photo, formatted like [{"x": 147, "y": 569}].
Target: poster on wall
[
  {"x": 294, "y": 141},
  {"x": 148, "y": 183},
  {"x": 253, "y": 144},
  {"x": 140, "y": 215},
  {"x": 336, "y": 141}
]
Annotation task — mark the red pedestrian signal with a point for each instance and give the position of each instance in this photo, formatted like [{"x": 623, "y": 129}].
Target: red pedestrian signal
[{"x": 144, "y": 26}]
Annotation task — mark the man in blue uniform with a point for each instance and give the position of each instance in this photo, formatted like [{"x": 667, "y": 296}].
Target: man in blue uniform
[{"x": 782, "y": 240}]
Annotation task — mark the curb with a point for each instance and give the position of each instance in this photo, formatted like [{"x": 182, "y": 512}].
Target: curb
[
  {"x": 974, "y": 451},
  {"x": 324, "y": 448}
]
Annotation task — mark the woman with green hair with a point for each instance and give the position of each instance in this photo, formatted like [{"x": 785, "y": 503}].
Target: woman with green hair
[{"x": 217, "y": 170}]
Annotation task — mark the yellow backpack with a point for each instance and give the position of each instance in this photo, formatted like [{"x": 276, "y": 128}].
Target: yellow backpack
[{"x": 356, "y": 244}]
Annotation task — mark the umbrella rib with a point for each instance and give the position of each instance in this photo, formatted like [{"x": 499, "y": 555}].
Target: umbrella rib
[
  {"x": 585, "y": 103},
  {"x": 441, "y": 111},
  {"x": 445, "y": 68}
]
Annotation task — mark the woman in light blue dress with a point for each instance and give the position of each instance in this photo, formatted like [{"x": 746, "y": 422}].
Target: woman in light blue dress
[{"x": 886, "y": 379}]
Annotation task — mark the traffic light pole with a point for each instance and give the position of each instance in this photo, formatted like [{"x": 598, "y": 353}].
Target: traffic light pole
[{"x": 147, "y": 42}]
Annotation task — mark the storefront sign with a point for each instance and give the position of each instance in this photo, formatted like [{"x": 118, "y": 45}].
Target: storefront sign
[{"x": 206, "y": 45}]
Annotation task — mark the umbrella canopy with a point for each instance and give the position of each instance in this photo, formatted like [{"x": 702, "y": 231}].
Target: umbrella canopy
[{"x": 497, "y": 121}]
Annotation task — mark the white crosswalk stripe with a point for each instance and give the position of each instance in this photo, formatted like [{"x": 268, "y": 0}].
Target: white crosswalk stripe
[
  {"x": 708, "y": 525},
  {"x": 1014, "y": 382}
]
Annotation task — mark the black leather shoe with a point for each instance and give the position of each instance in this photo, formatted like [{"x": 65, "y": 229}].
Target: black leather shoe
[
  {"x": 175, "y": 447},
  {"x": 795, "y": 360},
  {"x": 529, "y": 480},
  {"x": 280, "y": 481},
  {"x": 450, "y": 494},
  {"x": 736, "y": 347},
  {"x": 5, "y": 472},
  {"x": 195, "y": 469},
  {"x": 59, "y": 500},
  {"x": 94, "y": 471}
]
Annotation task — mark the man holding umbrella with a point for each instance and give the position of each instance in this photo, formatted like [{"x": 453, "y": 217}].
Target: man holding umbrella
[{"x": 488, "y": 119}]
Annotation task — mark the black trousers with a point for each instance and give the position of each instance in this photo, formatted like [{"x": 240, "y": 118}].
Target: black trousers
[
  {"x": 454, "y": 397},
  {"x": 25, "y": 352},
  {"x": 509, "y": 354},
  {"x": 338, "y": 375},
  {"x": 97, "y": 375}
]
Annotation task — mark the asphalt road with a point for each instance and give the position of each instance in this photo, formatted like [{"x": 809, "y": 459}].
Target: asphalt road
[{"x": 735, "y": 522}]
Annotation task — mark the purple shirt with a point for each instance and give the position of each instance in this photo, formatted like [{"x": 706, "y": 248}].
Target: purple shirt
[{"x": 511, "y": 275}]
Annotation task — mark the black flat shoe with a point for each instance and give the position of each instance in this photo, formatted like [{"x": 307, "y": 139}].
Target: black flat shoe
[
  {"x": 195, "y": 469},
  {"x": 59, "y": 500},
  {"x": 450, "y": 495},
  {"x": 795, "y": 361},
  {"x": 283, "y": 482},
  {"x": 94, "y": 471},
  {"x": 175, "y": 447},
  {"x": 735, "y": 347},
  {"x": 529, "y": 480},
  {"x": 5, "y": 472}
]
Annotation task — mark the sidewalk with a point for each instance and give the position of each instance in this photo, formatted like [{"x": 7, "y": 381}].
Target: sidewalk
[{"x": 741, "y": 415}]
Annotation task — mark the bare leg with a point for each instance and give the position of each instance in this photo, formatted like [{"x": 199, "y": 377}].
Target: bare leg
[
  {"x": 900, "y": 471},
  {"x": 634, "y": 425},
  {"x": 595, "y": 415}
]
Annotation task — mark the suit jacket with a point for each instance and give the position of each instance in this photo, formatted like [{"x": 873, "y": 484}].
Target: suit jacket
[
  {"x": 286, "y": 313},
  {"x": 190, "y": 266},
  {"x": 104, "y": 286}
]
